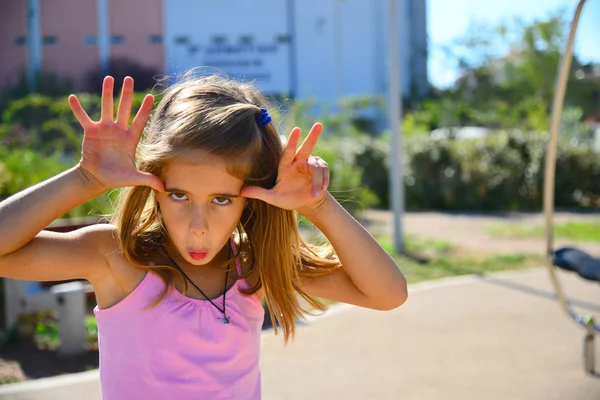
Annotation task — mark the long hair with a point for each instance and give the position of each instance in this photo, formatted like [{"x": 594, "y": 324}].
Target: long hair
[{"x": 217, "y": 115}]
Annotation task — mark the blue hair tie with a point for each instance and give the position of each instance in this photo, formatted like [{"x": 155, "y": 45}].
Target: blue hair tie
[{"x": 264, "y": 118}]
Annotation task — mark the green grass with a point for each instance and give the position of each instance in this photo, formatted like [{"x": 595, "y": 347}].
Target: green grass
[
  {"x": 443, "y": 260},
  {"x": 575, "y": 231}
]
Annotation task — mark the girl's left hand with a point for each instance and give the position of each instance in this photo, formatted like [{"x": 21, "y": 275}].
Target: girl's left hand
[{"x": 302, "y": 179}]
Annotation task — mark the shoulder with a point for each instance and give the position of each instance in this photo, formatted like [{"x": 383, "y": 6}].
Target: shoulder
[
  {"x": 122, "y": 276},
  {"x": 103, "y": 237}
]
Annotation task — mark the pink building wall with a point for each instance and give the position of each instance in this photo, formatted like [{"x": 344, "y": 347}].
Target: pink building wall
[
  {"x": 70, "y": 22},
  {"x": 137, "y": 21},
  {"x": 66, "y": 24},
  {"x": 13, "y": 24}
]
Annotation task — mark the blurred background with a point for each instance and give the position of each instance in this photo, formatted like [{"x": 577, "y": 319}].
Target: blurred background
[
  {"x": 467, "y": 70},
  {"x": 476, "y": 86}
]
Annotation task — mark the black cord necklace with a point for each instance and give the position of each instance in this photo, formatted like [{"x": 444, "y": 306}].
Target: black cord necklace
[{"x": 225, "y": 318}]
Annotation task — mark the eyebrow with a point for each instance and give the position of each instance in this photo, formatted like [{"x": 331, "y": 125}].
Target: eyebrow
[{"x": 228, "y": 195}]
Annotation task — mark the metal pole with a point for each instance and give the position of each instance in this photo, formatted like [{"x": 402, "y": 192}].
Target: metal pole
[
  {"x": 560, "y": 88},
  {"x": 34, "y": 44},
  {"x": 395, "y": 112},
  {"x": 339, "y": 75},
  {"x": 292, "y": 48},
  {"x": 337, "y": 34},
  {"x": 103, "y": 36}
]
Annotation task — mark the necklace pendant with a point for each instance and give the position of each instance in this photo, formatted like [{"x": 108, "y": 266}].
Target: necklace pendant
[{"x": 225, "y": 320}]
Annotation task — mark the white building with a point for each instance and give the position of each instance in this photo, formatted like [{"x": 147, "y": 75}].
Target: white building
[
  {"x": 321, "y": 48},
  {"x": 296, "y": 48}
]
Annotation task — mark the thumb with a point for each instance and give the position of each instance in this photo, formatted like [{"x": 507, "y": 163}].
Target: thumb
[
  {"x": 147, "y": 179},
  {"x": 256, "y": 192}
]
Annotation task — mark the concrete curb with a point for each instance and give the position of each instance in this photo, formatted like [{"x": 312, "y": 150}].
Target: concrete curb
[{"x": 32, "y": 389}]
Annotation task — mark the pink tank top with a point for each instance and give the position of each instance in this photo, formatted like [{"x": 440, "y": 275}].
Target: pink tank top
[{"x": 180, "y": 349}]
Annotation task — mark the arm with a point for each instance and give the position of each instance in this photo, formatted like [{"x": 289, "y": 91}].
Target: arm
[
  {"x": 26, "y": 213},
  {"x": 27, "y": 252},
  {"x": 108, "y": 150},
  {"x": 369, "y": 277}
]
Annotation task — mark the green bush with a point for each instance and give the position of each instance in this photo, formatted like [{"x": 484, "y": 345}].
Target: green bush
[
  {"x": 346, "y": 177},
  {"x": 46, "y": 84},
  {"x": 48, "y": 125},
  {"x": 500, "y": 172},
  {"x": 22, "y": 168},
  {"x": 372, "y": 160},
  {"x": 30, "y": 112},
  {"x": 40, "y": 122}
]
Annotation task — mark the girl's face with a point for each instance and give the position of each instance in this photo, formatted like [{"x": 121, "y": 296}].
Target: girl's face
[{"x": 201, "y": 206}]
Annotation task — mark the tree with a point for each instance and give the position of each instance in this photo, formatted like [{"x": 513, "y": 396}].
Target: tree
[{"x": 508, "y": 72}]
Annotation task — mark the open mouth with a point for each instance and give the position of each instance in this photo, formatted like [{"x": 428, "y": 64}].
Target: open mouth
[{"x": 197, "y": 255}]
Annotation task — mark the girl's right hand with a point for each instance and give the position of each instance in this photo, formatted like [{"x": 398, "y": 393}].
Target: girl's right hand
[{"x": 109, "y": 147}]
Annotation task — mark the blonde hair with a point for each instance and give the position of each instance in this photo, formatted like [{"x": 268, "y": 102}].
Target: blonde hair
[{"x": 216, "y": 115}]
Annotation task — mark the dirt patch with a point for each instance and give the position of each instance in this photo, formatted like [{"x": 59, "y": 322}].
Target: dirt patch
[{"x": 467, "y": 231}]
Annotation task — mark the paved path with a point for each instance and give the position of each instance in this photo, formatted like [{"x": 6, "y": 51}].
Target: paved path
[
  {"x": 498, "y": 337},
  {"x": 502, "y": 337}
]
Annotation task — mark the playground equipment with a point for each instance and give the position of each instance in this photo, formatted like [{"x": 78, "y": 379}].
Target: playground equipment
[{"x": 567, "y": 258}]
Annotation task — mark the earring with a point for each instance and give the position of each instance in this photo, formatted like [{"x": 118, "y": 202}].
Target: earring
[{"x": 245, "y": 235}]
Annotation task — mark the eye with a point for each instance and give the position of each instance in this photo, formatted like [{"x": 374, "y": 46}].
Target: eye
[
  {"x": 174, "y": 197},
  {"x": 222, "y": 201}
]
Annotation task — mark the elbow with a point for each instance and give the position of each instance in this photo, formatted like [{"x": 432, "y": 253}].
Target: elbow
[
  {"x": 393, "y": 303},
  {"x": 395, "y": 299}
]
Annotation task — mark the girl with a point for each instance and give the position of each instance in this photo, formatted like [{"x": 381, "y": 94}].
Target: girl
[{"x": 205, "y": 229}]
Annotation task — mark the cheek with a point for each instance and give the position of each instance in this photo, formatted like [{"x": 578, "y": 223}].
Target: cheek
[
  {"x": 172, "y": 218},
  {"x": 231, "y": 215},
  {"x": 226, "y": 223}
]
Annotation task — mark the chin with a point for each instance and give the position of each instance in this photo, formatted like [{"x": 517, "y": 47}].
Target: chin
[{"x": 204, "y": 261}]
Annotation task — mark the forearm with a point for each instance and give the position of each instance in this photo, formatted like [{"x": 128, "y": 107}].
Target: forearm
[
  {"x": 25, "y": 214},
  {"x": 371, "y": 269}
]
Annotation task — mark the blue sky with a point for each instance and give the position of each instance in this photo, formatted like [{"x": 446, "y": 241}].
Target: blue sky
[{"x": 449, "y": 19}]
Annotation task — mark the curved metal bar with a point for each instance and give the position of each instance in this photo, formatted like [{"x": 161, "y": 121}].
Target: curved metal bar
[{"x": 549, "y": 180}]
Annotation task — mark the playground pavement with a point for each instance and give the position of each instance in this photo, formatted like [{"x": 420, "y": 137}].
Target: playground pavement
[{"x": 501, "y": 336}]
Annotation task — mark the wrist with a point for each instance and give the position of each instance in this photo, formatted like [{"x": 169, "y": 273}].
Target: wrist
[
  {"x": 89, "y": 181},
  {"x": 313, "y": 211}
]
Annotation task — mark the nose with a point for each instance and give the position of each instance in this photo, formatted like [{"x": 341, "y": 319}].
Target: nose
[{"x": 199, "y": 221}]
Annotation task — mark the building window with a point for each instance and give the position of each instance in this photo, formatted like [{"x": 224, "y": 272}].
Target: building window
[
  {"x": 182, "y": 39},
  {"x": 90, "y": 39},
  {"x": 219, "y": 39},
  {"x": 320, "y": 24},
  {"x": 20, "y": 41},
  {"x": 155, "y": 39},
  {"x": 117, "y": 39},
  {"x": 49, "y": 40},
  {"x": 246, "y": 40},
  {"x": 283, "y": 39}
]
